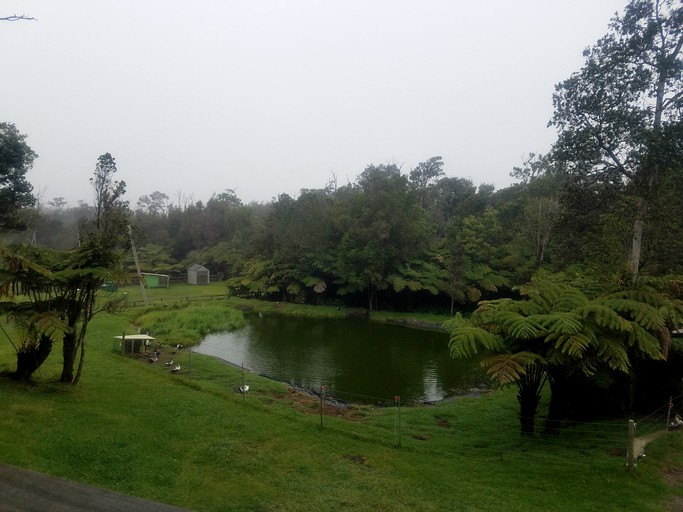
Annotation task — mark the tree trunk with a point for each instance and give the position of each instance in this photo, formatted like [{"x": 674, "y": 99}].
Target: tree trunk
[
  {"x": 81, "y": 360},
  {"x": 637, "y": 241},
  {"x": 31, "y": 358},
  {"x": 560, "y": 393},
  {"x": 371, "y": 297},
  {"x": 529, "y": 388},
  {"x": 69, "y": 351}
]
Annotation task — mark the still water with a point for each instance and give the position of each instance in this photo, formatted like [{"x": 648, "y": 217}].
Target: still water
[{"x": 358, "y": 360}]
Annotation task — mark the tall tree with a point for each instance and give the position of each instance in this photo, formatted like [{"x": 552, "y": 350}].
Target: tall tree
[
  {"x": 381, "y": 227},
  {"x": 619, "y": 117},
  {"x": 424, "y": 176},
  {"x": 62, "y": 287},
  {"x": 16, "y": 158},
  {"x": 98, "y": 255},
  {"x": 108, "y": 193}
]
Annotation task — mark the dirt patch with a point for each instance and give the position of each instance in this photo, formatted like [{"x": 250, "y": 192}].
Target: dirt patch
[
  {"x": 358, "y": 459},
  {"x": 676, "y": 505},
  {"x": 309, "y": 403},
  {"x": 162, "y": 355},
  {"x": 673, "y": 476},
  {"x": 443, "y": 423}
]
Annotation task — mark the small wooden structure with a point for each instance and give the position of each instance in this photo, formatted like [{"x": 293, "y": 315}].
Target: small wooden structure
[
  {"x": 198, "y": 274},
  {"x": 135, "y": 343}
]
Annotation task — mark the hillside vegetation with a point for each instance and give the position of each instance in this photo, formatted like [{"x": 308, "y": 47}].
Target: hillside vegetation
[{"x": 193, "y": 441}]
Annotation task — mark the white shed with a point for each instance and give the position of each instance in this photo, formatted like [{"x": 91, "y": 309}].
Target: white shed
[{"x": 198, "y": 274}]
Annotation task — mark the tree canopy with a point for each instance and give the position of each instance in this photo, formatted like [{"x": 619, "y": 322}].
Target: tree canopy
[
  {"x": 16, "y": 158},
  {"x": 619, "y": 116}
]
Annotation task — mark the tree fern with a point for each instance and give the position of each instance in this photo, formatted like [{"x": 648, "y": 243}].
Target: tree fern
[
  {"x": 560, "y": 323},
  {"x": 613, "y": 353},
  {"x": 642, "y": 313},
  {"x": 525, "y": 328},
  {"x": 574, "y": 345},
  {"x": 468, "y": 341},
  {"x": 508, "y": 368},
  {"x": 645, "y": 342},
  {"x": 603, "y": 317}
]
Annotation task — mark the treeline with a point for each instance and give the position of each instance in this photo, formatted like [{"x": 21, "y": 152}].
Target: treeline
[{"x": 398, "y": 240}]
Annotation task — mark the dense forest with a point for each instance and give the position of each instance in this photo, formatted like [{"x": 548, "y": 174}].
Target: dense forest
[{"x": 415, "y": 240}]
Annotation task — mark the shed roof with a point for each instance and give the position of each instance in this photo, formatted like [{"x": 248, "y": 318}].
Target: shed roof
[{"x": 195, "y": 267}]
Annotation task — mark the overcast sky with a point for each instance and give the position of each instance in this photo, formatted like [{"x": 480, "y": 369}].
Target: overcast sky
[{"x": 273, "y": 96}]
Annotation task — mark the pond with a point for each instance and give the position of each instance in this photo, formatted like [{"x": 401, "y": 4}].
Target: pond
[{"x": 357, "y": 360}]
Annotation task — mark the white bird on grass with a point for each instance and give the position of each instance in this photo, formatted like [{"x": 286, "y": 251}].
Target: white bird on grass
[{"x": 176, "y": 368}]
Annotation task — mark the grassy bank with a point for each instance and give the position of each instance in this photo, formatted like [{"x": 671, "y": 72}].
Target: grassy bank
[
  {"x": 215, "y": 292},
  {"x": 195, "y": 442}
]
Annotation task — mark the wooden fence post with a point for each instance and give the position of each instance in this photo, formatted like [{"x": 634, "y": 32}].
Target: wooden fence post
[{"x": 630, "y": 450}]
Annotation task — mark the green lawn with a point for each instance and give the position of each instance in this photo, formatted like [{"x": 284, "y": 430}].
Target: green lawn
[{"x": 194, "y": 442}]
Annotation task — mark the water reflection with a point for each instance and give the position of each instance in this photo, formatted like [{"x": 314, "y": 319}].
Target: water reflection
[{"x": 360, "y": 360}]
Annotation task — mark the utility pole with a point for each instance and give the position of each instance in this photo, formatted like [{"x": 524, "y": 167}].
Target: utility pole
[{"x": 137, "y": 266}]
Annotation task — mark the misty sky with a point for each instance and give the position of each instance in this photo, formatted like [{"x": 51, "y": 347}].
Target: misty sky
[{"x": 272, "y": 96}]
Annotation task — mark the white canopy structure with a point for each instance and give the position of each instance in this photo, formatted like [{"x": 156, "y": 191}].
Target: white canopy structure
[{"x": 129, "y": 342}]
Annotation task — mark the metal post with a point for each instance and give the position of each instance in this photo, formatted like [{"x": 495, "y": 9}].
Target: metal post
[
  {"x": 244, "y": 385},
  {"x": 322, "y": 405},
  {"x": 630, "y": 450},
  {"x": 397, "y": 401},
  {"x": 668, "y": 414},
  {"x": 189, "y": 364}
]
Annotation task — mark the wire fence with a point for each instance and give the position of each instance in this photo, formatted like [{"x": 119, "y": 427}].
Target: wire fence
[
  {"x": 173, "y": 300},
  {"x": 493, "y": 433}
]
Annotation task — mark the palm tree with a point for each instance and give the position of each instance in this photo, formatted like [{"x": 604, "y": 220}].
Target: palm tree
[{"x": 555, "y": 334}]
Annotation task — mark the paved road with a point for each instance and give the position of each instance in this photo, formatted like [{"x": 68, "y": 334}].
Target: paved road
[{"x": 22, "y": 490}]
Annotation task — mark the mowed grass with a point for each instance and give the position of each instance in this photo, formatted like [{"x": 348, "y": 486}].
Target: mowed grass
[{"x": 194, "y": 442}]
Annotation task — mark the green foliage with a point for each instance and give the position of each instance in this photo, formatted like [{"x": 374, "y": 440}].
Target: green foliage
[
  {"x": 16, "y": 159},
  {"x": 619, "y": 116},
  {"x": 468, "y": 340},
  {"x": 568, "y": 334},
  {"x": 188, "y": 323}
]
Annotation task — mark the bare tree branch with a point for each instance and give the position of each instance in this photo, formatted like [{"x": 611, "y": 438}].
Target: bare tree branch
[{"x": 16, "y": 17}]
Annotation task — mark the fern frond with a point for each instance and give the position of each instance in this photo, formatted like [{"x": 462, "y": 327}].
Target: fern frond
[
  {"x": 573, "y": 345},
  {"x": 645, "y": 342},
  {"x": 604, "y": 317},
  {"x": 525, "y": 328},
  {"x": 560, "y": 323},
  {"x": 294, "y": 288},
  {"x": 467, "y": 341},
  {"x": 508, "y": 368},
  {"x": 642, "y": 313},
  {"x": 612, "y": 351}
]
